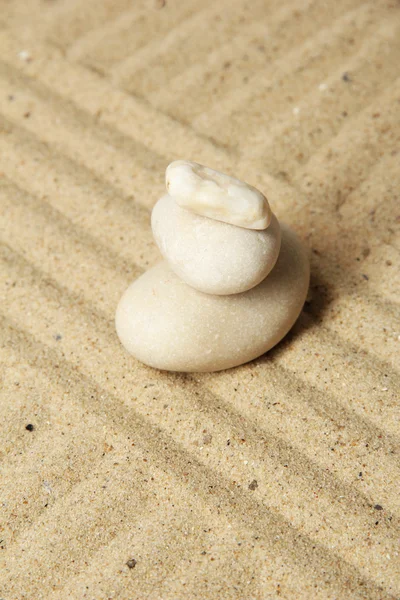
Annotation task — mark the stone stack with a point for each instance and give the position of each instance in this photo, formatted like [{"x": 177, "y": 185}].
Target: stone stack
[{"x": 232, "y": 284}]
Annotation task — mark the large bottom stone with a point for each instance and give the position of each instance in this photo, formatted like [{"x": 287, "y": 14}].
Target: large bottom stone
[{"x": 168, "y": 325}]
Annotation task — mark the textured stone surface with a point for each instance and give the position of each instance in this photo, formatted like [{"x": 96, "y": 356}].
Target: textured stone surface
[
  {"x": 213, "y": 257},
  {"x": 213, "y": 194},
  {"x": 169, "y": 325}
]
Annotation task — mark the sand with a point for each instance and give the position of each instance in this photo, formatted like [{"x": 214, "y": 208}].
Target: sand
[{"x": 278, "y": 479}]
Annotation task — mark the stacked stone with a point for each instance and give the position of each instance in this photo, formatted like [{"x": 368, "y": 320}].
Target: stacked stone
[{"x": 232, "y": 284}]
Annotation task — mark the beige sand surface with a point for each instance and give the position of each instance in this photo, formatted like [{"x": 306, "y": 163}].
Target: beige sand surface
[{"x": 279, "y": 479}]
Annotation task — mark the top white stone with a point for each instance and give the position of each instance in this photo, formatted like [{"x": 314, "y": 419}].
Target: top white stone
[{"x": 217, "y": 196}]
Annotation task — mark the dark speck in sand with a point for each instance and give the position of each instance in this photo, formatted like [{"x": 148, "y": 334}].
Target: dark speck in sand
[
  {"x": 29, "y": 427},
  {"x": 378, "y": 507},
  {"x": 131, "y": 563},
  {"x": 253, "y": 485}
]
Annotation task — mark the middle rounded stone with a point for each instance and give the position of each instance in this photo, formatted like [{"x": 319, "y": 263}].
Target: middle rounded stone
[{"x": 211, "y": 256}]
